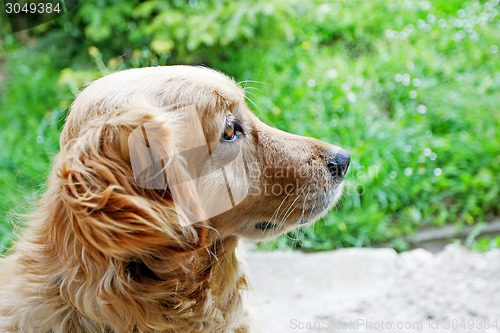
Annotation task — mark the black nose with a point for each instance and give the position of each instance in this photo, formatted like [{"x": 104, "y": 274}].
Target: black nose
[{"x": 339, "y": 163}]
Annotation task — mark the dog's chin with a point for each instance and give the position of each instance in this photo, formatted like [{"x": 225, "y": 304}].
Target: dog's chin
[{"x": 263, "y": 230}]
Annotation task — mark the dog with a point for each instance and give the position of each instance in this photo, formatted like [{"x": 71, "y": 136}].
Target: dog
[{"x": 161, "y": 171}]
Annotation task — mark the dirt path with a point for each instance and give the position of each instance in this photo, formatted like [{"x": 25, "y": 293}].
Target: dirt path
[{"x": 376, "y": 290}]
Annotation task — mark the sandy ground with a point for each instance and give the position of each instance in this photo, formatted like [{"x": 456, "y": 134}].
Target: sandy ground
[{"x": 376, "y": 290}]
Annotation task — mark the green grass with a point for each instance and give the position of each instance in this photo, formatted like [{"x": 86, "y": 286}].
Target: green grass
[
  {"x": 410, "y": 88},
  {"x": 32, "y": 107}
]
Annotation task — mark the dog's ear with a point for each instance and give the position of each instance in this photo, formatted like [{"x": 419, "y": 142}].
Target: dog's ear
[
  {"x": 115, "y": 188},
  {"x": 158, "y": 164}
]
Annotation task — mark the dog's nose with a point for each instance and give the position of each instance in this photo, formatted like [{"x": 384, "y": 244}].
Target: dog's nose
[{"x": 339, "y": 163}]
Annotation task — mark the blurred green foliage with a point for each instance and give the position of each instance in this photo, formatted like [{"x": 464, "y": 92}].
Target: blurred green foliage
[{"x": 410, "y": 88}]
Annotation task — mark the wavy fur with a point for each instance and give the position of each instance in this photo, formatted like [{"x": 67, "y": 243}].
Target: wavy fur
[{"x": 103, "y": 254}]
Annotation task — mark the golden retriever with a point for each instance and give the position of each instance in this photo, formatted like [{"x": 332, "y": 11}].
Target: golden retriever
[{"x": 161, "y": 171}]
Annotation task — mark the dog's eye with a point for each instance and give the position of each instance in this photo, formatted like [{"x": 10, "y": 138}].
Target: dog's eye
[{"x": 232, "y": 132}]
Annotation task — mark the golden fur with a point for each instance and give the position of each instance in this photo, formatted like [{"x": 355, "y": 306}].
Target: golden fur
[{"x": 103, "y": 254}]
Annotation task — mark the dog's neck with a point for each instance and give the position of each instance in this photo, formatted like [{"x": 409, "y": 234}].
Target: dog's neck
[
  {"x": 70, "y": 286},
  {"x": 198, "y": 291}
]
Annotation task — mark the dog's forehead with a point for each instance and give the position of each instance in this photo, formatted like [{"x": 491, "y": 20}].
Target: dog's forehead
[{"x": 164, "y": 86}]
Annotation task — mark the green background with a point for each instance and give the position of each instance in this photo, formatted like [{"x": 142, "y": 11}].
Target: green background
[{"x": 410, "y": 88}]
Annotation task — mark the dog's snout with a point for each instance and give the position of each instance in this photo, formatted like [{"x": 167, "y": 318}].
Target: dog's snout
[{"x": 339, "y": 163}]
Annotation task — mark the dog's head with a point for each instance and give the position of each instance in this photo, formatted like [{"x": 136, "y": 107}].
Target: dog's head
[{"x": 163, "y": 155}]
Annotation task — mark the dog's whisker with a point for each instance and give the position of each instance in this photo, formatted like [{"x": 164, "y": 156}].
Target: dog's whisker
[
  {"x": 276, "y": 230},
  {"x": 280, "y": 224},
  {"x": 250, "y": 100},
  {"x": 298, "y": 196},
  {"x": 276, "y": 212},
  {"x": 292, "y": 239},
  {"x": 304, "y": 207},
  {"x": 311, "y": 211},
  {"x": 288, "y": 212},
  {"x": 253, "y": 81},
  {"x": 251, "y": 93},
  {"x": 252, "y": 88},
  {"x": 297, "y": 241}
]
